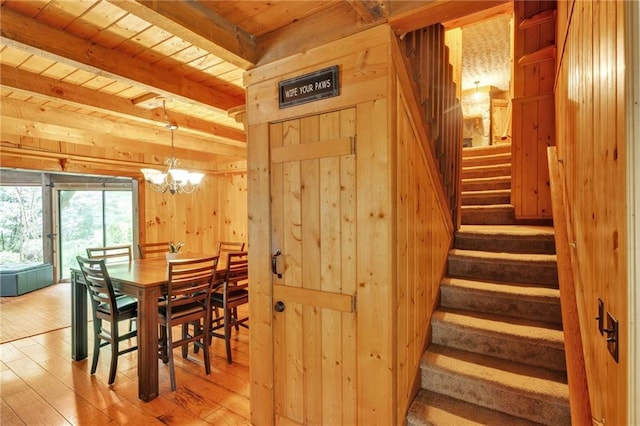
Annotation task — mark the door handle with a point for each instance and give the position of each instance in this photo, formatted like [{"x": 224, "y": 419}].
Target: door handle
[
  {"x": 279, "y": 306},
  {"x": 274, "y": 263}
]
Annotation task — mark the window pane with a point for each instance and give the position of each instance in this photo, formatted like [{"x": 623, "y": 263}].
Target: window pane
[
  {"x": 92, "y": 219},
  {"x": 20, "y": 224},
  {"x": 81, "y": 226},
  {"x": 117, "y": 218}
]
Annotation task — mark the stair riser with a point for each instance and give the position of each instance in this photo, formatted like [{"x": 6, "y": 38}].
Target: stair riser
[
  {"x": 471, "y": 216},
  {"x": 460, "y": 298},
  {"x": 499, "y": 243},
  {"x": 495, "y": 397},
  {"x": 487, "y": 160},
  {"x": 493, "y": 171},
  {"x": 488, "y": 185},
  {"x": 543, "y": 273},
  {"x": 500, "y": 346},
  {"x": 481, "y": 199},
  {"x": 436, "y": 409},
  {"x": 486, "y": 150}
]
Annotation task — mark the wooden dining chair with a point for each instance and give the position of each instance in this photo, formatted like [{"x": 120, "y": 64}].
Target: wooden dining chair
[
  {"x": 152, "y": 249},
  {"x": 187, "y": 303},
  {"x": 109, "y": 254},
  {"x": 228, "y": 246},
  {"x": 234, "y": 293},
  {"x": 106, "y": 306},
  {"x": 119, "y": 253}
]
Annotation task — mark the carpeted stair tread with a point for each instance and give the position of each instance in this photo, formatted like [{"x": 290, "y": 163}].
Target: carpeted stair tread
[
  {"x": 549, "y": 384},
  {"x": 490, "y": 256},
  {"x": 507, "y": 238},
  {"x": 535, "y": 393},
  {"x": 487, "y": 183},
  {"x": 475, "y": 151},
  {"x": 479, "y": 160},
  {"x": 544, "y": 334},
  {"x": 491, "y": 170},
  {"x": 430, "y": 408},
  {"x": 511, "y": 290},
  {"x": 494, "y": 207},
  {"x": 488, "y": 192},
  {"x": 490, "y": 214},
  {"x": 485, "y": 197},
  {"x": 511, "y": 230},
  {"x": 518, "y": 300},
  {"x": 501, "y": 266}
]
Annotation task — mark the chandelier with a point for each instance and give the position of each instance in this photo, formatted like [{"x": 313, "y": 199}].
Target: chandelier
[{"x": 172, "y": 179}]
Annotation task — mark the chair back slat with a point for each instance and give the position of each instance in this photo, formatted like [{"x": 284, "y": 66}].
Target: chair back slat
[
  {"x": 237, "y": 272},
  {"x": 119, "y": 253},
  {"x": 233, "y": 293},
  {"x": 98, "y": 281},
  {"x": 152, "y": 249},
  {"x": 190, "y": 280},
  {"x": 229, "y": 246}
]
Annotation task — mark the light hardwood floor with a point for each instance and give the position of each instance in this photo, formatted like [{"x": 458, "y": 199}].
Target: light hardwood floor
[
  {"x": 41, "y": 385},
  {"x": 18, "y": 319}
]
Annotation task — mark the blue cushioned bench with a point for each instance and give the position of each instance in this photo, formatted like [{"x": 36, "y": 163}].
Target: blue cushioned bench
[{"x": 17, "y": 279}]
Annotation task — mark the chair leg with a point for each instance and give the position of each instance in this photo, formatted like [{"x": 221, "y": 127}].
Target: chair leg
[
  {"x": 205, "y": 332},
  {"x": 115, "y": 343},
  {"x": 185, "y": 347},
  {"x": 163, "y": 344},
  {"x": 199, "y": 329},
  {"x": 227, "y": 333},
  {"x": 235, "y": 317},
  {"x": 169, "y": 344},
  {"x": 97, "y": 324}
]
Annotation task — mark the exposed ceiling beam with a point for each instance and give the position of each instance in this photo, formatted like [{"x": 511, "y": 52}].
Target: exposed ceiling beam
[
  {"x": 56, "y": 90},
  {"x": 370, "y": 11},
  {"x": 199, "y": 26},
  {"x": 410, "y": 17},
  {"x": 480, "y": 16},
  {"x": 27, "y": 34},
  {"x": 348, "y": 17},
  {"x": 32, "y": 120},
  {"x": 332, "y": 23}
]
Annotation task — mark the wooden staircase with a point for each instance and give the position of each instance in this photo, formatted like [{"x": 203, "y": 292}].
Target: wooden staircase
[
  {"x": 486, "y": 185},
  {"x": 497, "y": 347}
]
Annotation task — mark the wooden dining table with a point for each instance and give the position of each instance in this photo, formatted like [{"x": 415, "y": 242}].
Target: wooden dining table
[{"x": 146, "y": 280}]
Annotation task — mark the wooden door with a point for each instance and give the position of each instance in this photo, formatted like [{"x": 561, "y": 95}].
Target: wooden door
[{"x": 313, "y": 218}]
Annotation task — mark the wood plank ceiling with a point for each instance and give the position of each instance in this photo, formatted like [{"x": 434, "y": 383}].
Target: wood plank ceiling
[{"x": 83, "y": 80}]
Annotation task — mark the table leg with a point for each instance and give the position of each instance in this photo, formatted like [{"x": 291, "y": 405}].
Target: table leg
[
  {"x": 148, "y": 344},
  {"x": 78, "y": 317}
]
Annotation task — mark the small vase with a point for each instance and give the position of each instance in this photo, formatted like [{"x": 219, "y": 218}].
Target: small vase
[{"x": 172, "y": 255}]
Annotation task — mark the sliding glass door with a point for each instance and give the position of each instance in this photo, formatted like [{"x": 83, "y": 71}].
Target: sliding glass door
[{"x": 92, "y": 218}]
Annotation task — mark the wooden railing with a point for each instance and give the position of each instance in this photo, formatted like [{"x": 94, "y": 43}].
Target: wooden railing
[
  {"x": 576, "y": 369},
  {"x": 428, "y": 58}
]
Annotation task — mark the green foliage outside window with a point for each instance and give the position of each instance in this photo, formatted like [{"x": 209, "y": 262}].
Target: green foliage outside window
[{"x": 20, "y": 224}]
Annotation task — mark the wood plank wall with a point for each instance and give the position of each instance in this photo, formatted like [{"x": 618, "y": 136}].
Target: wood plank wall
[
  {"x": 590, "y": 114},
  {"x": 216, "y": 211},
  {"x": 533, "y": 109},
  {"x": 424, "y": 231},
  {"x": 423, "y": 239}
]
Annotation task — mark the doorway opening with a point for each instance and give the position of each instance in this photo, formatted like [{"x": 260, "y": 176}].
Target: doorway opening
[{"x": 486, "y": 80}]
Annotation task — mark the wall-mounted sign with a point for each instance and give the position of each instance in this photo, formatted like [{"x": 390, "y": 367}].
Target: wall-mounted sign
[{"x": 309, "y": 87}]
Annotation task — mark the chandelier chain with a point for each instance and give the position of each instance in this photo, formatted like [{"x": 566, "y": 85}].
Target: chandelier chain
[{"x": 173, "y": 179}]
